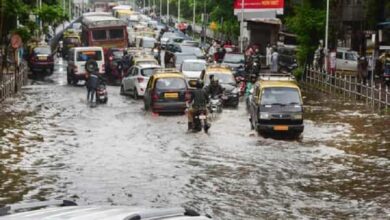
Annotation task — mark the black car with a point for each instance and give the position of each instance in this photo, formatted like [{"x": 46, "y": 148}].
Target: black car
[
  {"x": 287, "y": 59},
  {"x": 236, "y": 61},
  {"x": 41, "y": 60}
]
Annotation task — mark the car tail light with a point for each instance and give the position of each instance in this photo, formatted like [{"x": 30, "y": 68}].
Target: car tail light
[
  {"x": 154, "y": 95},
  {"x": 140, "y": 79},
  {"x": 187, "y": 96}
]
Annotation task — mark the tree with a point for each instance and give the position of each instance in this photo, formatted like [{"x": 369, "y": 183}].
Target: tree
[
  {"x": 51, "y": 15},
  {"x": 308, "y": 23}
]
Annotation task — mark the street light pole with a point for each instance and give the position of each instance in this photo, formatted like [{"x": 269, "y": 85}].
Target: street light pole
[
  {"x": 326, "y": 35},
  {"x": 242, "y": 27},
  {"x": 178, "y": 12},
  {"x": 193, "y": 19},
  {"x": 168, "y": 11}
]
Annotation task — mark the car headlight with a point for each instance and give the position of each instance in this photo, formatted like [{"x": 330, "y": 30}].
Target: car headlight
[
  {"x": 297, "y": 116},
  {"x": 264, "y": 115}
]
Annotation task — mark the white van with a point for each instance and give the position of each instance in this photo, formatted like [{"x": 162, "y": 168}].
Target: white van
[
  {"x": 77, "y": 58},
  {"x": 346, "y": 60}
]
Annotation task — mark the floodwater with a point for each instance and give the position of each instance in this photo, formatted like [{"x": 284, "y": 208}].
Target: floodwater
[{"x": 53, "y": 146}]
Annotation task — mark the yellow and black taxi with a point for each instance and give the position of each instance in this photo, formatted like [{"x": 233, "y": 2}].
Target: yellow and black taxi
[
  {"x": 276, "y": 106},
  {"x": 166, "y": 91},
  {"x": 226, "y": 79}
]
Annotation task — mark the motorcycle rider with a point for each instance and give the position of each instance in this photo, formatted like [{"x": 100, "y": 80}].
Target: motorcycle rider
[
  {"x": 255, "y": 58},
  {"x": 93, "y": 80},
  {"x": 214, "y": 89},
  {"x": 198, "y": 102}
]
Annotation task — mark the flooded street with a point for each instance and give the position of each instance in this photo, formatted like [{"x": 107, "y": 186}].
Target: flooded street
[{"x": 54, "y": 146}]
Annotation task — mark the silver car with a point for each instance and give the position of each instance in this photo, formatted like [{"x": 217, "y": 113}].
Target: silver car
[{"x": 74, "y": 212}]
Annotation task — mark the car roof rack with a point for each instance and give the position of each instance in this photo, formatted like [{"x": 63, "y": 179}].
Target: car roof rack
[
  {"x": 277, "y": 76},
  {"x": 218, "y": 65},
  {"x": 6, "y": 210},
  {"x": 167, "y": 70}
]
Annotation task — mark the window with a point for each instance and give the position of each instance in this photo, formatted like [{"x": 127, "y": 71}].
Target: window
[
  {"x": 351, "y": 56},
  {"x": 148, "y": 72},
  {"x": 171, "y": 84},
  {"x": 99, "y": 35},
  {"x": 339, "y": 55},
  {"x": 116, "y": 33},
  {"x": 281, "y": 96},
  {"x": 87, "y": 55}
]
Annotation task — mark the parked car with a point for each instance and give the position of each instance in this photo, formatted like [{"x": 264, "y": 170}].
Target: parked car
[
  {"x": 172, "y": 51},
  {"x": 346, "y": 60},
  {"x": 113, "y": 61},
  {"x": 226, "y": 80},
  {"x": 166, "y": 91},
  {"x": 41, "y": 60},
  {"x": 192, "y": 70},
  {"x": 276, "y": 106},
  {"x": 287, "y": 59},
  {"x": 77, "y": 58},
  {"x": 67, "y": 210},
  {"x": 135, "y": 80}
]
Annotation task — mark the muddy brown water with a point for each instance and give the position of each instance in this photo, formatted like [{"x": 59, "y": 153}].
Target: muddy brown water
[{"x": 53, "y": 146}]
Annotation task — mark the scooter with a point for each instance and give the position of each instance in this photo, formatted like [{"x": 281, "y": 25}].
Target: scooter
[
  {"x": 200, "y": 121},
  {"x": 215, "y": 106},
  {"x": 101, "y": 93}
]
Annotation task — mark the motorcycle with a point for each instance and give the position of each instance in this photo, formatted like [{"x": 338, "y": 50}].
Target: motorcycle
[
  {"x": 241, "y": 81},
  {"x": 101, "y": 93},
  {"x": 255, "y": 68},
  {"x": 215, "y": 105},
  {"x": 200, "y": 121}
]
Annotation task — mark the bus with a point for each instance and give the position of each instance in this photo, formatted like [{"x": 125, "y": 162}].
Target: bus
[{"x": 104, "y": 31}]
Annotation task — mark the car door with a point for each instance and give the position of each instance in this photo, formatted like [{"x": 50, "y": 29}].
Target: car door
[
  {"x": 255, "y": 105},
  {"x": 126, "y": 80},
  {"x": 351, "y": 61},
  {"x": 340, "y": 60},
  {"x": 133, "y": 77},
  {"x": 148, "y": 90}
]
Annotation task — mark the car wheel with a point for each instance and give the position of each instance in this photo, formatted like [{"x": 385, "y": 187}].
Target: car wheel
[
  {"x": 135, "y": 93},
  {"x": 122, "y": 92}
]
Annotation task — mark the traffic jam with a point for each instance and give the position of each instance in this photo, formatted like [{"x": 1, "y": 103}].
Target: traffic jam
[{"x": 131, "y": 112}]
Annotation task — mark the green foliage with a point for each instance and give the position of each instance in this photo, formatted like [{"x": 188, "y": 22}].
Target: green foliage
[
  {"x": 309, "y": 25},
  {"x": 298, "y": 72},
  {"x": 51, "y": 14},
  {"x": 24, "y": 32}
]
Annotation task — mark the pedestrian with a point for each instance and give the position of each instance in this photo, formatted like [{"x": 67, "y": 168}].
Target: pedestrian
[
  {"x": 332, "y": 61},
  {"x": 363, "y": 68},
  {"x": 268, "y": 54},
  {"x": 274, "y": 60},
  {"x": 92, "y": 80}
]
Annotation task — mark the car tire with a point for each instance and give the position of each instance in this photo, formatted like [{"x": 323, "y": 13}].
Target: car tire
[
  {"x": 122, "y": 91},
  {"x": 135, "y": 93}
]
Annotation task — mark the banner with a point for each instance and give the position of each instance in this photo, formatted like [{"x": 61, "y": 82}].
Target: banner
[{"x": 259, "y": 6}]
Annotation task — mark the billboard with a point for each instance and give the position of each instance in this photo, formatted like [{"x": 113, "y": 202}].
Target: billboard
[{"x": 259, "y": 6}]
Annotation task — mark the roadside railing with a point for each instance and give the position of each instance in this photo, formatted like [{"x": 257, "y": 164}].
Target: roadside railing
[
  {"x": 350, "y": 87},
  {"x": 13, "y": 81}
]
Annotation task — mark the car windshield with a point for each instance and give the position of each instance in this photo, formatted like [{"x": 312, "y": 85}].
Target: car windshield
[
  {"x": 170, "y": 84},
  {"x": 193, "y": 66},
  {"x": 194, "y": 50},
  {"x": 148, "y": 71},
  {"x": 234, "y": 58},
  {"x": 181, "y": 58},
  {"x": 280, "y": 96},
  {"x": 118, "y": 54},
  {"x": 223, "y": 78},
  {"x": 148, "y": 43},
  {"x": 42, "y": 50},
  {"x": 71, "y": 40},
  {"x": 87, "y": 55},
  {"x": 145, "y": 62}
]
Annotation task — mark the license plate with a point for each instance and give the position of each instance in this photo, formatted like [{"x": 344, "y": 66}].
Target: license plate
[
  {"x": 281, "y": 128},
  {"x": 42, "y": 58},
  {"x": 202, "y": 117},
  {"x": 170, "y": 95}
]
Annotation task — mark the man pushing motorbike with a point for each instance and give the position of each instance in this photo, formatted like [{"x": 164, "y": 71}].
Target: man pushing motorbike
[{"x": 197, "y": 103}]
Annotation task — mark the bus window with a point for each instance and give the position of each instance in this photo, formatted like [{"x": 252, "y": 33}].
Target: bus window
[
  {"x": 99, "y": 35},
  {"x": 116, "y": 34}
]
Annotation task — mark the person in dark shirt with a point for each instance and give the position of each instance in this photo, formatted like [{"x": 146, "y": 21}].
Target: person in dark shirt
[{"x": 198, "y": 101}]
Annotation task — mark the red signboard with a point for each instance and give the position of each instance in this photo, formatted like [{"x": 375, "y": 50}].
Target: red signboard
[{"x": 259, "y": 5}]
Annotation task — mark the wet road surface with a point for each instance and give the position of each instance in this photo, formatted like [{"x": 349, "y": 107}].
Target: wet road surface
[{"x": 53, "y": 146}]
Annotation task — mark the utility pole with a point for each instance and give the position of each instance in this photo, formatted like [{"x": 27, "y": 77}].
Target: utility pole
[
  {"x": 168, "y": 11},
  {"x": 160, "y": 9}
]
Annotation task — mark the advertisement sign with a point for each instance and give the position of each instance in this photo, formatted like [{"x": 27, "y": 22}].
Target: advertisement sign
[{"x": 259, "y": 6}]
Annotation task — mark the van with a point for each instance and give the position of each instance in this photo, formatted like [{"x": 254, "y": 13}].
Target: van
[
  {"x": 77, "y": 58},
  {"x": 346, "y": 60},
  {"x": 276, "y": 106}
]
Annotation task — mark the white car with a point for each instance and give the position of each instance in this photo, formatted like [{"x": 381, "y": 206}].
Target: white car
[
  {"x": 192, "y": 70},
  {"x": 346, "y": 60},
  {"x": 136, "y": 79}
]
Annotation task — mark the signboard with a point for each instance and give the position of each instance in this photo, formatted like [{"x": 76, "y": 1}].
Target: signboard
[{"x": 259, "y": 6}]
